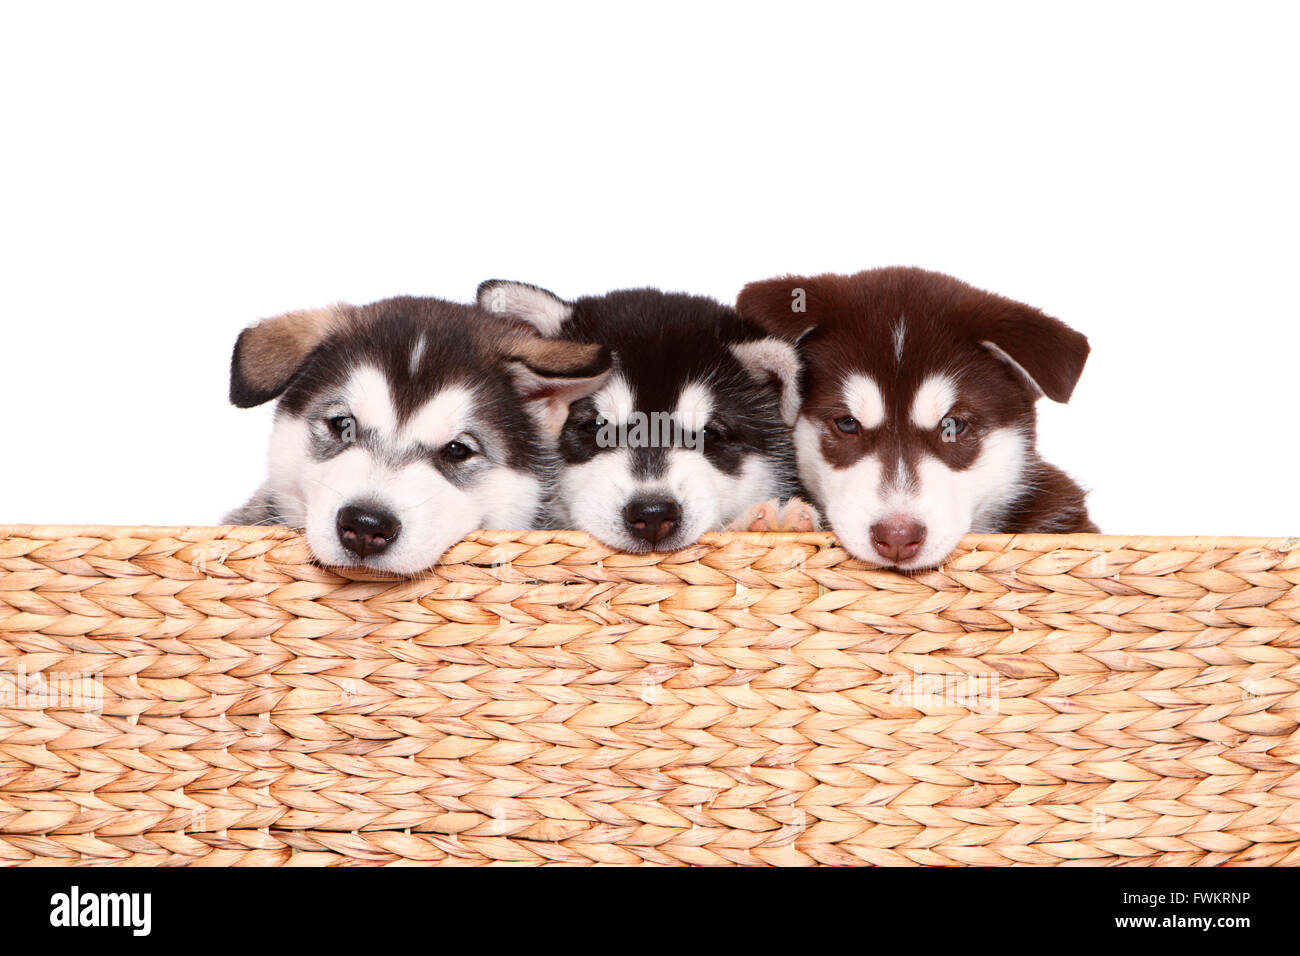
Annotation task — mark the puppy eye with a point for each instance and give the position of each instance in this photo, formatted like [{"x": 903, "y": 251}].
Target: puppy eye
[
  {"x": 342, "y": 427},
  {"x": 457, "y": 451},
  {"x": 951, "y": 427},
  {"x": 594, "y": 425},
  {"x": 714, "y": 431},
  {"x": 848, "y": 424}
]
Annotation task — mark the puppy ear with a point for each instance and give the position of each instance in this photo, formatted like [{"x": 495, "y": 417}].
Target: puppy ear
[
  {"x": 778, "y": 306},
  {"x": 773, "y": 360},
  {"x": 268, "y": 354},
  {"x": 545, "y": 311},
  {"x": 551, "y": 374},
  {"x": 1047, "y": 352}
]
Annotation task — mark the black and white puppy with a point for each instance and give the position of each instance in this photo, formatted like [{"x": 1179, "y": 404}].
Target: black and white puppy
[
  {"x": 916, "y": 421},
  {"x": 689, "y": 431},
  {"x": 404, "y": 425}
]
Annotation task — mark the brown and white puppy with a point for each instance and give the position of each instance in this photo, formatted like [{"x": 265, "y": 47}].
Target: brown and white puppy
[
  {"x": 405, "y": 424},
  {"x": 916, "y": 422}
]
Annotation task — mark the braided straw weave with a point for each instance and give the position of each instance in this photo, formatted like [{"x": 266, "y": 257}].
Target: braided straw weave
[{"x": 756, "y": 699}]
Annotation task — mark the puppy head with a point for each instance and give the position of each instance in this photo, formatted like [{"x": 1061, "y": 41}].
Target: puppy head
[
  {"x": 685, "y": 433},
  {"x": 916, "y": 416},
  {"x": 404, "y": 425}
]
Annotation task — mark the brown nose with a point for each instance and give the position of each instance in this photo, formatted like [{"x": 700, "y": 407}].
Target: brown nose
[{"x": 897, "y": 538}]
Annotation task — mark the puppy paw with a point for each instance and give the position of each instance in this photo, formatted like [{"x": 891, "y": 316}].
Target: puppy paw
[
  {"x": 760, "y": 516},
  {"x": 798, "y": 515},
  {"x": 771, "y": 515}
]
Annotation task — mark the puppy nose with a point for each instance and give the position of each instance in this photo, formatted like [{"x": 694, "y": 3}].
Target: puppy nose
[
  {"x": 366, "y": 530},
  {"x": 898, "y": 538},
  {"x": 652, "y": 519}
]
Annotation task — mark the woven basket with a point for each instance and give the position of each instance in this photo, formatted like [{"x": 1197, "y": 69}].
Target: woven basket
[{"x": 755, "y": 699}]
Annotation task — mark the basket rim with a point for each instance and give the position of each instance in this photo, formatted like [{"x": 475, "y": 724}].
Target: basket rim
[{"x": 716, "y": 539}]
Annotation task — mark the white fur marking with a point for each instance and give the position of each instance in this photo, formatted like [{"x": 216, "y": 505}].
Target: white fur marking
[
  {"x": 900, "y": 336},
  {"x": 615, "y": 401},
  {"x": 369, "y": 400},
  {"x": 694, "y": 406},
  {"x": 933, "y": 400},
  {"x": 416, "y": 354},
  {"x": 440, "y": 419},
  {"x": 864, "y": 401}
]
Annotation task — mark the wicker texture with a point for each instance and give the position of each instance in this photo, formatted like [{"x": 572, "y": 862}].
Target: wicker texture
[{"x": 541, "y": 699}]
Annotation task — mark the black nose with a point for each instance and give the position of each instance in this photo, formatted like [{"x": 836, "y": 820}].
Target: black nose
[
  {"x": 651, "y": 519},
  {"x": 367, "y": 530}
]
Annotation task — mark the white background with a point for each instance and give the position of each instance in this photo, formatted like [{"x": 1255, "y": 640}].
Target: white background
[{"x": 169, "y": 175}]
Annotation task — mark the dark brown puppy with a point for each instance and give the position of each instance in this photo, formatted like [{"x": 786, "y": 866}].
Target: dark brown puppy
[{"x": 916, "y": 421}]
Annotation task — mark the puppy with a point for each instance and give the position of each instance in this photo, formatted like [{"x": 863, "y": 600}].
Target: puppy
[
  {"x": 916, "y": 421},
  {"x": 689, "y": 431},
  {"x": 404, "y": 425}
]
